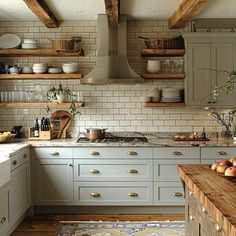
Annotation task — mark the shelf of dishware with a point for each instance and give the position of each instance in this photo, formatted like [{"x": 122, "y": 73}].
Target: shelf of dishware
[
  {"x": 40, "y": 52},
  {"x": 40, "y": 76},
  {"x": 39, "y": 104},
  {"x": 164, "y": 104},
  {"x": 163, "y": 52},
  {"x": 163, "y": 76}
]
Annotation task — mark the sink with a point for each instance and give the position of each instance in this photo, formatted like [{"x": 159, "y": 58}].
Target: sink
[{"x": 4, "y": 170}]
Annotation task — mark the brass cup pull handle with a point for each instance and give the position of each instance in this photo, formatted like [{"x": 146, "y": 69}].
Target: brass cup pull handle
[
  {"x": 14, "y": 162},
  {"x": 132, "y": 171},
  {"x": 25, "y": 156},
  {"x": 94, "y": 171},
  {"x": 95, "y": 153},
  {"x": 132, "y": 153},
  {"x": 177, "y": 194},
  {"x": 177, "y": 153},
  {"x": 3, "y": 219},
  {"x": 54, "y": 153},
  {"x": 222, "y": 153},
  {"x": 95, "y": 194},
  {"x": 132, "y": 194}
]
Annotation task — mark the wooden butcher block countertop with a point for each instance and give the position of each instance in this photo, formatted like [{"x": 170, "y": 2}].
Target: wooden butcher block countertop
[{"x": 216, "y": 193}]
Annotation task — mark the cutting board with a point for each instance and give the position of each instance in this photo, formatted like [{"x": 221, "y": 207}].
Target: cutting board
[{"x": 60, "y": 122}]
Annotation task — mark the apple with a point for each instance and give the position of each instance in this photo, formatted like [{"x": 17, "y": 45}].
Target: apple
[
  {"x": 221, "y": 169},
  {"x": 232, "y": 159},
  {"x": 231, "y": 171},
  {"x": 225, "y": 163},
  {"x": 215, "y": 165}
]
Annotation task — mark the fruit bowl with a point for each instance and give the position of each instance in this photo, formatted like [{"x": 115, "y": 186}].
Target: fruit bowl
[{"x": 6, "y": 138}]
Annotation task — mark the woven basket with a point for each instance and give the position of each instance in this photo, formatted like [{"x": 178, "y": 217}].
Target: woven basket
[
  {"x": 5, "y": 139},
  {"x": 63, "y": 44}
]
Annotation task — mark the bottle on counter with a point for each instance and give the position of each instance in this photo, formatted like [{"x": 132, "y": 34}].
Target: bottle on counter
[
  {"x": 204, "y": 135},
  {"x": 36, "y": 128}
]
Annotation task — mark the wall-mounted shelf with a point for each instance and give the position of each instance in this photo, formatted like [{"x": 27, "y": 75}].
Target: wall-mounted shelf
[
  {"x": 39, "y": 76},
  {"x": 163, "y": 76},
  {"x": 40, "y": 53},
  {"x": 39, "y": 104},
  {"x": 164, "y": 104},
  {"x": 163, "y": 52}
]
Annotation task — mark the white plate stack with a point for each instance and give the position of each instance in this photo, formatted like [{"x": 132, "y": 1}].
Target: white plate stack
[
  {"x": 171, "y": 95},
  {"x": 155, "y": 94},
  {"x": 54, "y": 70},
  {"x": 29, "y": 44},
  {"x": 70, "y": 67},
  {"x": 40, "y": 68}
]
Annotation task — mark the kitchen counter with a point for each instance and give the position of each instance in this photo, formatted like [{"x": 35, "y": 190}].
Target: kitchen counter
[
  {"x": 8, "y": 149},
  {"x": 215, "y": 194}
]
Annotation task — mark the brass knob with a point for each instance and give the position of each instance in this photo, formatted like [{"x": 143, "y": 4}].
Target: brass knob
[
  {"x": 25, "y": 156},
  {"x": 132, "y": 171},
  {"x": 222, "y": 153},
  {"x": 176, "y": 153},
  {"x": 14, "y": 162},
  {"x": 132, "y": 153},
  {"x": 217, "y": 227},
  {"x": 177, "y": 194},
  {"x": 95, "y": 194},
  {"x": 54, "y": 153},
  {"x": 132, "y": 194},
  {"x": 204, "y": 210},
  {"x": 190, "y": 193},
  {"x": 191, "y": 217},
  {"x": 94, "y": 171},
  {"x": 3, "y": 219},
  {"x": 94, "y": 153}
]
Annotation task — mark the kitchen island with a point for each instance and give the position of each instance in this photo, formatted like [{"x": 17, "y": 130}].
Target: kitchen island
[{"x": 210, "y": 201}]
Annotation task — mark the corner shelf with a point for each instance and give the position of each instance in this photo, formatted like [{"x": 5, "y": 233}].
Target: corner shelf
[
  {"x": 163, "y": 52},
  {"x": 164, "y": 104},
  {"x": 38, "y": 104},
  {"x": 39, "y": 76},
  {"x": 40, "y": 52},
  {"x": 163, "y": 76}
]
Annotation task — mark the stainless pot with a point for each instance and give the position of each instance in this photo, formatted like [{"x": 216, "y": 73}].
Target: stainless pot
[{"x": 95, "y": 133}]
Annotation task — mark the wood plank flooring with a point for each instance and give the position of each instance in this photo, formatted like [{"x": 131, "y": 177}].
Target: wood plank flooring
[{"x": 47, "y": 225}]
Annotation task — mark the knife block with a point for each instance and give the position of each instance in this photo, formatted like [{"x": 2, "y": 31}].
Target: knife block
[{"x": 43, "y": 135}]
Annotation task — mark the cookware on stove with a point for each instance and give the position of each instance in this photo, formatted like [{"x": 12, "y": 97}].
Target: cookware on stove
[{"x": 95, "y": 133}]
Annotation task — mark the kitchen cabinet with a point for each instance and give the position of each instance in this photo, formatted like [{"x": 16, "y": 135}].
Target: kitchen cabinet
[
  {"x": 168, "y": 189},
  {"x": 4, "y": 209},
  {"x": 206, "y": 53}
]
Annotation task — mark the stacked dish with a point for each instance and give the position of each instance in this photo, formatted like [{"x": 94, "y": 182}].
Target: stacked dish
[
  {"x": 70, "y": 68},
  {"x": 171, "y": 95},
  {"x": 55, "y": 70},
  {"x": 27, "y": 70},
  {"x": 40, "y": 68},
  {"x": 8, "y": 41},
  {"x": 29, "y": 44},
  {"x": 155, "y": 95}
]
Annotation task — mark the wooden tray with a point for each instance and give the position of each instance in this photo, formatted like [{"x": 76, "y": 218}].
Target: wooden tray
[{"x": 191, "y": 139}]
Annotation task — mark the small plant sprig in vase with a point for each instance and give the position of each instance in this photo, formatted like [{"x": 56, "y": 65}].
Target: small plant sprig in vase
[{"x": 59, "y": 95}]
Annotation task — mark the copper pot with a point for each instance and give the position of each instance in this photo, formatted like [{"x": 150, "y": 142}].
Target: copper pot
[{"x": 95, "y": 133}]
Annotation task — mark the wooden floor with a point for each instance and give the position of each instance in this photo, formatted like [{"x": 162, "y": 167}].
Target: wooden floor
[{"x": 47, "y": 225}]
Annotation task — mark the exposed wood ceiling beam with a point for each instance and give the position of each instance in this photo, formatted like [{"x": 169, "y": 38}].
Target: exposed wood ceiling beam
[
  {"x": 112, "y": 10},
  {"x": 43, "y": 12},
  {"x": 185, "y": 12}
]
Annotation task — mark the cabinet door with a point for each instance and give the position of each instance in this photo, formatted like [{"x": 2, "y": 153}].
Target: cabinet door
[
  {"x": 222, "y": 59},
  {"x": 4, "y": 210},
  {"x": 198, "y": 78},
  {"x": 54, "y": 181},
  {"x": 20, "y": 199}
]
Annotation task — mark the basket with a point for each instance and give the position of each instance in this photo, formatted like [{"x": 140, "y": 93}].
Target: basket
[
  {"x": 63, "y": 44},
  {"x": 5, "y": 139}
]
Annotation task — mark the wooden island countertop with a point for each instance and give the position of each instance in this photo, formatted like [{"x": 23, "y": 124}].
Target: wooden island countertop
[{"x": 214, "y": 192}]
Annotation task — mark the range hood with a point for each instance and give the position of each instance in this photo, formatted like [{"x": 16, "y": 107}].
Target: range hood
[{"x": 112, "y": 64}]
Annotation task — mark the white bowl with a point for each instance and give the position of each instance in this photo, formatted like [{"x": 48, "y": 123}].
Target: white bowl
[
  {"x": 70, "y": 71},
  {"x": 30, "y": 41},
  {"x": 40, "y": 64},
  {"x": 145, "y": 99},
  {"x": 55, "y": 70},
  {"x": 39, "y": 71},
  {"x": 71, "y": 64},
  {"x": 27, "y": 70}
]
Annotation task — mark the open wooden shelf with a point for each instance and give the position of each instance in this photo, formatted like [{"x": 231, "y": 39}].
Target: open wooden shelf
[
  {"x": 39, "y": 104},
  {"x": 39, "y": 76},
  {"x": 163, "y": 52},
  {"x": 163, "y": 76},
  {"x": 164, "y": 104},
  {"x": 40, "y": 52}
]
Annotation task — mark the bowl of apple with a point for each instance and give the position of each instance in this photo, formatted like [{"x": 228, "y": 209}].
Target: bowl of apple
[
  {"x": 6, "y": 137},
  {"x": 225, "y": 168}
]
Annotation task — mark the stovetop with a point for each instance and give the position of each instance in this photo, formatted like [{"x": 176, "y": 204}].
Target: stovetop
[{"x": 113, "y": 139}]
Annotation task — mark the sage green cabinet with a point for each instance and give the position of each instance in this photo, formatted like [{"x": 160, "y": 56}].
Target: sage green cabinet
[{"x": 206, "y": 53}]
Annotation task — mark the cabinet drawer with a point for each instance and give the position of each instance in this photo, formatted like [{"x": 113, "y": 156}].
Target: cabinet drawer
[
  {"x": 116, "y": 193},
  {"x": 218, "y": 153},
  {"x": 168, "y": 193},
  {"x": 113, "y": 170},
  {"x": 166, "y": 170},
  {"x": 19, "y": 158},
  {"x": 97, "y": 152},
  {"x": 4, "y": 209},
  {"x": 53, "y": 152},
  {"x": 177, "y": 152}
]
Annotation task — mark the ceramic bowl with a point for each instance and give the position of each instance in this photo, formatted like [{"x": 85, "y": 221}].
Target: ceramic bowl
[
  {"x": 145, "y": 99},
  {"x": 55, "y": 70}
]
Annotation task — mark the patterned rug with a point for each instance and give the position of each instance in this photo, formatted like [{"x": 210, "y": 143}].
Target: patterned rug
[{"x": 119, "y": 228}]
